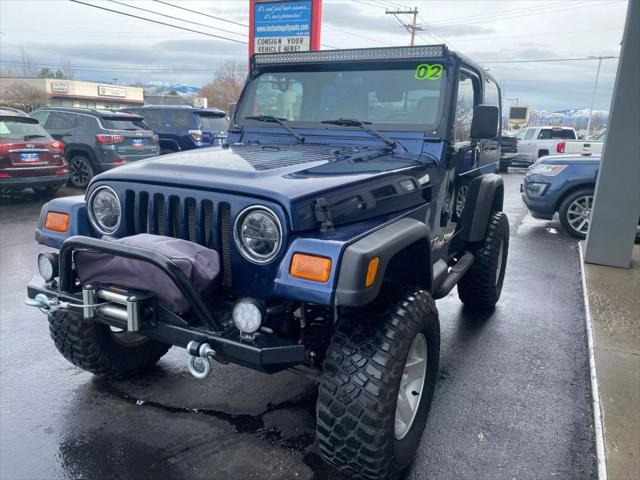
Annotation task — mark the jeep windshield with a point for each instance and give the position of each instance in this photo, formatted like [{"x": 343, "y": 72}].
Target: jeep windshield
[{"x": 392, "y": 99}]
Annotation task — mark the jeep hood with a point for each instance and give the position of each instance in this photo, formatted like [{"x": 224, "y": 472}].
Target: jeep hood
[{"x": 356, "y": 182}]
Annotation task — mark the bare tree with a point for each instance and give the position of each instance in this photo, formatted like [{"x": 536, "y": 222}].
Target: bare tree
[
  {"x": 226, "y": 86},
  {"x": 27, "y": 65},
  {"x": 67, "y": 68},
  {"x": 23, "y": 96}
]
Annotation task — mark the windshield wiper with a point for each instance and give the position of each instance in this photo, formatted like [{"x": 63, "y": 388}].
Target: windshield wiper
[
  {"x": 29, "y": 137},
  {"x": 279, "y": 121},
  {"x": 354, "y": 122}
]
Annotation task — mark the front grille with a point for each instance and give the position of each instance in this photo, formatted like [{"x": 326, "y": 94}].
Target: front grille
[{"x": 187, "y": 218}]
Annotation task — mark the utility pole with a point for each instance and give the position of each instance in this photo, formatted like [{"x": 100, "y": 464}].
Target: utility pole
[
  {"x": 593, "y": 95},
  {"x": 411, "y": 28}
]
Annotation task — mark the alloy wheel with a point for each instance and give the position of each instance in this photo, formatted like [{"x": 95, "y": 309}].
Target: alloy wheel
[
  {"x": 80, "y": 172},
  {"x": 411, "y": 386},
  {"x": 579, "y": 213}
]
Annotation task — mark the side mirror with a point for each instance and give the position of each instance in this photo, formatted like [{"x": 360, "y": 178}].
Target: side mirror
[{"x": 486, "y": 119}]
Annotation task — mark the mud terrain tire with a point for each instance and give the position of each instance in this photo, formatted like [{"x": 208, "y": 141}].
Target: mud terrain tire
[
  {"x": 481, "y": 286},
  {"x": 358, "y": 394},
  {"x": 94, "y": 347}
]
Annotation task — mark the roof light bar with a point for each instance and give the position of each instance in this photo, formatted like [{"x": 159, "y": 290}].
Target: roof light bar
[{"x": 352, "y": 55}]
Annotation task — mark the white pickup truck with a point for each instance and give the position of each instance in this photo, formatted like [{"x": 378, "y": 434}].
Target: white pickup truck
[{"x": 536, "y": 142}]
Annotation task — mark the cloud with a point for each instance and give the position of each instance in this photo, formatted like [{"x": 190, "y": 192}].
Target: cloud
[
  {"x": 348, "y": 15},
  {"x": 461, "y": 30}
]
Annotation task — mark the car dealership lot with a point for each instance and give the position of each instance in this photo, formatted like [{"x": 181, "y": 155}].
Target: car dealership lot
[{"x": 512, "y": 400}]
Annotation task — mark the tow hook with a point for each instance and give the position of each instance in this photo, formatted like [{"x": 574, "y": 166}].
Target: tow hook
[
  {"x": 202, "y": 351},
  {"x": 43, "y": 303}
]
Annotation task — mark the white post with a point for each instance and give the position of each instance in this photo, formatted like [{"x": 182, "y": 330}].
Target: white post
[{"x": 593, "y": 97}]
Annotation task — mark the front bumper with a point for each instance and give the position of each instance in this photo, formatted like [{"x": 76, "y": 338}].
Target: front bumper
[
  {"x": 266, "y": 352},
  {"x": 35, "y": 181},
  {"x": 541, "y": 207}
]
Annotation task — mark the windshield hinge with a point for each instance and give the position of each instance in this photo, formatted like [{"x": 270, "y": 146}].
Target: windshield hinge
[{"x": 323, "y": 214}]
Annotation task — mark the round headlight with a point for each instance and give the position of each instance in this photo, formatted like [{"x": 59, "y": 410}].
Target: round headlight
[
  {"x": 258, "y": 234},
  {"x": 104, "y": 210}
]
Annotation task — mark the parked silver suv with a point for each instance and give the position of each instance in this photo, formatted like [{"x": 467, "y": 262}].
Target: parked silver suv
[{"x": 97, "y": 140}]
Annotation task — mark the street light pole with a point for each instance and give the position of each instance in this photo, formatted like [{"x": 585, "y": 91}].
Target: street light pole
[{"x": 593, "y": 95}]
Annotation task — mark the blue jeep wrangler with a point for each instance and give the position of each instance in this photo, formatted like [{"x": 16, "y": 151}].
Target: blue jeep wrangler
[{"x": 356, "y": 187}]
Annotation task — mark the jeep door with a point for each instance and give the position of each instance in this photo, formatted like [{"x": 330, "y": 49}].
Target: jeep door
[
  {"x": 489, "y": 149},
  {"x": 466, "y": 149}
]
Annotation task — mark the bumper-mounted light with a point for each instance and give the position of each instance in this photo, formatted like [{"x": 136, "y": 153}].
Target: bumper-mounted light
[
  {"x": 247, "y": 316},
  {"x": 48, "y": 266}
]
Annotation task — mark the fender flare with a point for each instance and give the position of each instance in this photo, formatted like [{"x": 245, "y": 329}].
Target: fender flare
[
  {"x": 486, "y": 194},
  {"x": 79, "y": 147},
  {"x": 385, "y": 243}
]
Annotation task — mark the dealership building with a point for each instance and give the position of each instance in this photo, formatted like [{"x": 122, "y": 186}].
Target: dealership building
[{"x": 75, "y": 93}]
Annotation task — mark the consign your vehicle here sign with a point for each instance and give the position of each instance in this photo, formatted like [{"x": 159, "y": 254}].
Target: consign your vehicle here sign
[{"x": 284, "y": 26}]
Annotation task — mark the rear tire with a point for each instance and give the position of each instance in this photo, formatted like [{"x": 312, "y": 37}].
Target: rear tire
[
  {"x": 366, "y": 368},
  {"x": 503, "y": 167},
  {"x": 81, "y": 171},
  {"x": 94, "y": 347},
  {"x": 481, "y": 286}
]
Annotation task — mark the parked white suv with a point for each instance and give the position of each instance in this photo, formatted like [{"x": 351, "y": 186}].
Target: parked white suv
[{"x": 539, "y": 142}]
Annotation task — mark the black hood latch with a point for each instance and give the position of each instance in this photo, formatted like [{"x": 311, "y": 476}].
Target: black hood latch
[{"x": 323, "y": 214}]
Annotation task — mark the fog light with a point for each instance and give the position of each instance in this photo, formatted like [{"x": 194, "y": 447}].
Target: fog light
[
  {"x": 48, "y": 266},
  {"x": 247, "y": 315}
]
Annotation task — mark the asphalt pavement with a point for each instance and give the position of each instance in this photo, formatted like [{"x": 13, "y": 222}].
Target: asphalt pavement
[{"x": 512, "y": 402}]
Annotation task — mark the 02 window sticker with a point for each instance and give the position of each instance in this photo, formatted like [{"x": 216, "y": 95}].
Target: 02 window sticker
[{"x": 427, "y": 71}]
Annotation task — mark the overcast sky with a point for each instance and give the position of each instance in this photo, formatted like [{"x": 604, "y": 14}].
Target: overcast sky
[{"x": 104, "y": 45}]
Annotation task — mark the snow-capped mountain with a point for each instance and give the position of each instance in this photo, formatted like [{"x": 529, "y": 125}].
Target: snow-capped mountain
[
  {"x": 573, "y": 117},
  {"x": 570, "y": 117},
  {"x": 160, "y": 88}
]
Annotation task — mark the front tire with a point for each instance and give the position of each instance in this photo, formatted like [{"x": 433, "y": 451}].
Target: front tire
[
  {"x": 371, "y": 371},
  {"x": 481, "y": 286},
  {"x": 96, "y": 348},
  {"x": 575, "y": 212}
]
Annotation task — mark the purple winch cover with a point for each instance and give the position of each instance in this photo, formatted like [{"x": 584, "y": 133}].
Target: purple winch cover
[{"x": 200, "y": 265}]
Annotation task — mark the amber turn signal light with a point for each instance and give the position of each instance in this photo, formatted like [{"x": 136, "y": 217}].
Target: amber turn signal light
[
  {"x": 310, "y": 267},
  {"x": 372, "y": 270},
  {"x": 56, "y": 221}
]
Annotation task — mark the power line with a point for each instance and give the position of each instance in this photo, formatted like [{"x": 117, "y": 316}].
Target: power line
[
  {"x": 430, "y": 31},
  {"x": 159, "y": 22},
  {"x": 545, "y": 60},
  {"x": 530, "y": 12},
  {"x": 216, "y": 18},
  {"x": 175, "y": 18},
  {"x": 549, "y": 34},
  {"x": 200, "y": 13},
  {"x": 358, "y": 35},
  {"x": 412, "y": 28},
  {"x": 497, "y": 13},
  {"x": 124, "y": 68}
]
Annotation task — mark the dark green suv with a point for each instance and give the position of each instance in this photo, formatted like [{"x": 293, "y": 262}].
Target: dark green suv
[{"x": 97, "y": 140}]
